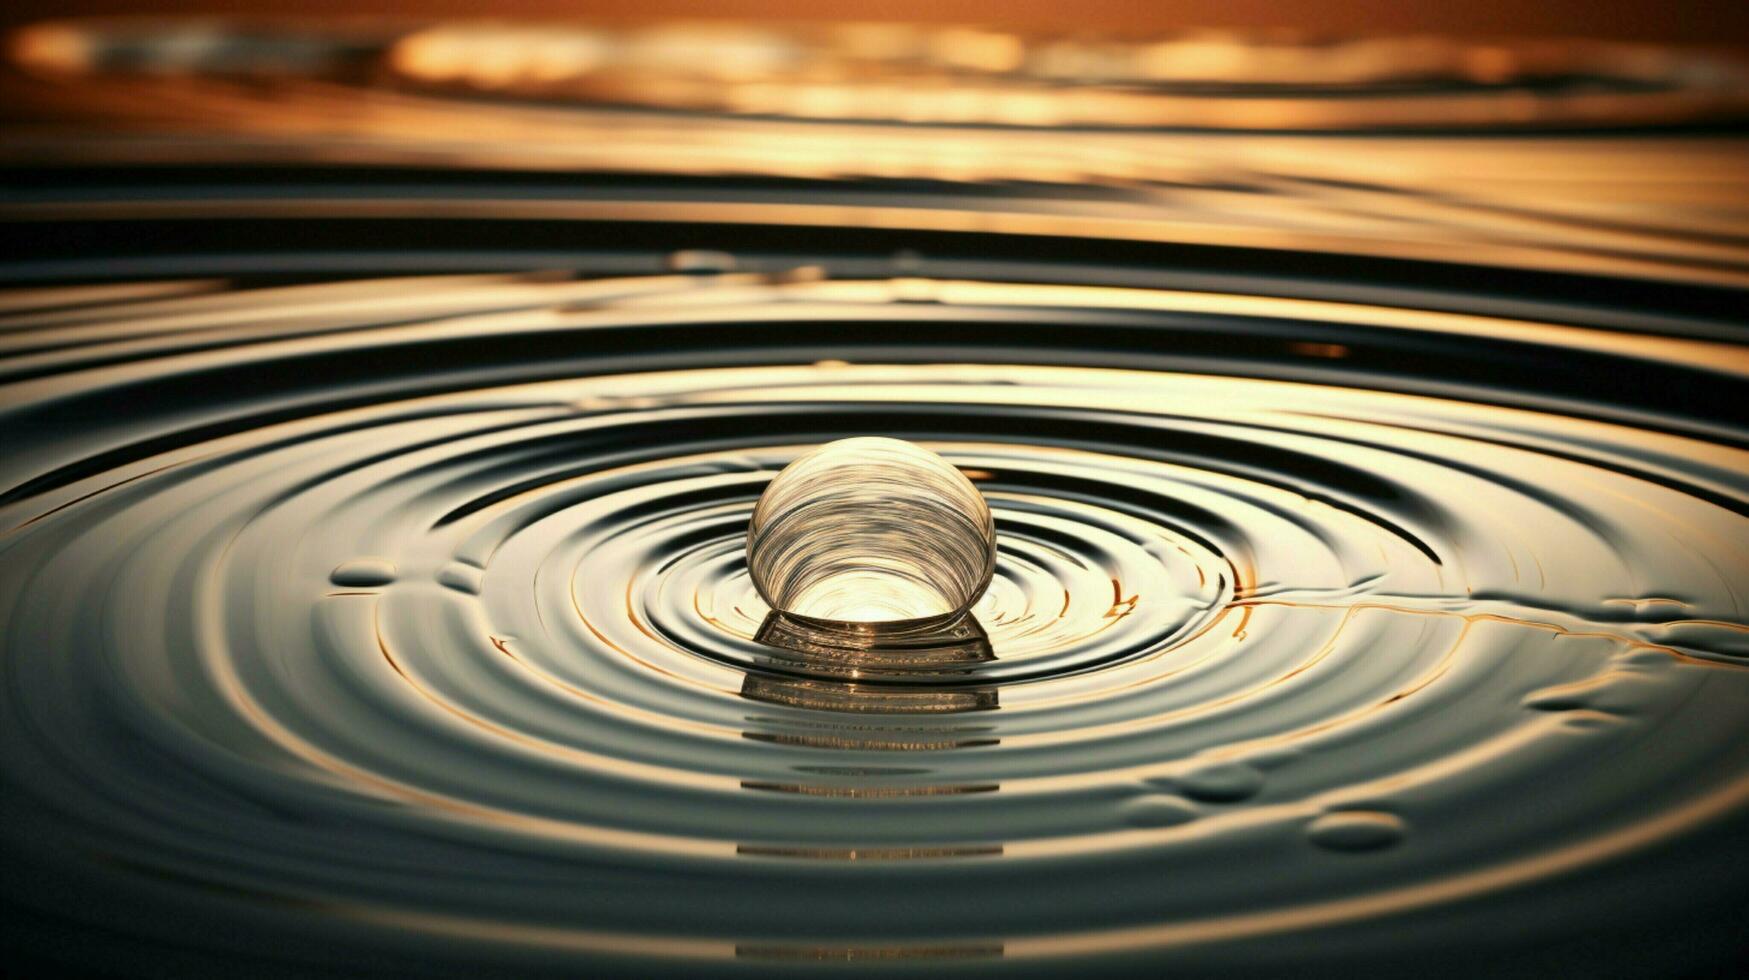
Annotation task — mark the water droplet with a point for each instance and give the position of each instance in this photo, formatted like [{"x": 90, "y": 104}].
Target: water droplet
[
  {"x": 1227, "y": 782},
  {"x": 871, "y": 530},
  {"x": 364, "y": 572},
  {"x": 1357, "y": 830}
]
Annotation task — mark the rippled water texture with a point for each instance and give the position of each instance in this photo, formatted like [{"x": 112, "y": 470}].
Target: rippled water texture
[{"x": 413, "y": 616}]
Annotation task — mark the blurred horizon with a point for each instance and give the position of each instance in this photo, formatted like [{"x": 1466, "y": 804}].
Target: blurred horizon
[{"x": 1415, "y": 137}]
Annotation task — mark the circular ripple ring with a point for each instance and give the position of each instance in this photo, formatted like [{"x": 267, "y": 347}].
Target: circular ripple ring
[{"x": 362, "y": 657}]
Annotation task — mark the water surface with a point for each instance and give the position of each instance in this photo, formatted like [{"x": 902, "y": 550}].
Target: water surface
[{"x": 405, "y": 622}]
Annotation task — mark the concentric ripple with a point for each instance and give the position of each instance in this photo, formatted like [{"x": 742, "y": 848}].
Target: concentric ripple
[{"x": 416, "y": 613}]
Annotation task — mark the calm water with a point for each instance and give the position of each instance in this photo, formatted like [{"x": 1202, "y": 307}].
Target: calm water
[{"x": 367, "y": 624}]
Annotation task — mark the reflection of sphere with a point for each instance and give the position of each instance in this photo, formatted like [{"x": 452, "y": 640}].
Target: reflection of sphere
[{"x": 871, "y": 530}]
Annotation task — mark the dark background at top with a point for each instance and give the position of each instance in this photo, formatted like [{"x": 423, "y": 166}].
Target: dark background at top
[{"x": 1720, "y": 22}]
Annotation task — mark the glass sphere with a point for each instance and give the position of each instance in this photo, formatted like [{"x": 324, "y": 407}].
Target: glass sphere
[{"x": 871, "y": 530}]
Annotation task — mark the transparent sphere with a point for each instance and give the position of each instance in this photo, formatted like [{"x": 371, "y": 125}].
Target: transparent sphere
[{"x": 871, "y": 530}]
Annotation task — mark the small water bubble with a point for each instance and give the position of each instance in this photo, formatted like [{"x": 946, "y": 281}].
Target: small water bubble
[
  {"x": 1227, "y": 782},
  {"x": 364, "y": 573},
  {"x": 1357, "y": 830},
  {"x": 871, "y": 530}
]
